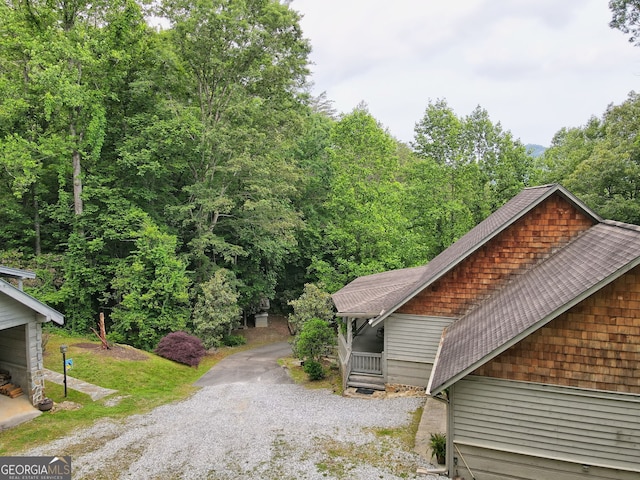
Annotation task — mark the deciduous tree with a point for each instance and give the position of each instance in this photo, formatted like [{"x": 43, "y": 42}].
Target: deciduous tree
[{"x": 216, "y": 311}]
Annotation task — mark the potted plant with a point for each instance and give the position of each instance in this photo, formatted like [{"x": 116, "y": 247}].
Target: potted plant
[{"x": 438, "y": 444}]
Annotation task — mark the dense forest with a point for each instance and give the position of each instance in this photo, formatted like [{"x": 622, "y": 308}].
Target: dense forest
[{"x": 171, "y": 178}]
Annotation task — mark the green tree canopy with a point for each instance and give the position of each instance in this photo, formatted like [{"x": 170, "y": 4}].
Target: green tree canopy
[
  {"x": 600, "y": 162},
  {"x": 626, "y": 18},
  {"x": 363, "y": 223},
  {"x": 466, "y": 167},
  {"x": 151, "y": 288}
]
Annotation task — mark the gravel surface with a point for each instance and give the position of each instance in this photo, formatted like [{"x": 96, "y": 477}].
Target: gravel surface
[{"x": 249, "y": 431}]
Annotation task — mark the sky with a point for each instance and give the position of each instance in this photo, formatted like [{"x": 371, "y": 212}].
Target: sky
[{"x": 536, "y": 66}]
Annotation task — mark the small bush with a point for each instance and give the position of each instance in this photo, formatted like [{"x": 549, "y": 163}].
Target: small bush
[
  {"x": 233, "y": 340},
  {"x": 315, "y": 340},
  {"x": 314, "y": 370},
  {"x": 182, "y": 348}
]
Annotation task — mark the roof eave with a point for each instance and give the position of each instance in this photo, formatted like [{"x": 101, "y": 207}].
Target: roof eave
[
  {"x": 16, "y": 273},
  {"x": 524, "y": 334},
  {"x": 577, "y": 203},
  {"x": 358, "y": 314}
]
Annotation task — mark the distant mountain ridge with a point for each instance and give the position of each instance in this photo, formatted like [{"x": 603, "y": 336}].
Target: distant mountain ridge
[{"x": 535, "y": 150}]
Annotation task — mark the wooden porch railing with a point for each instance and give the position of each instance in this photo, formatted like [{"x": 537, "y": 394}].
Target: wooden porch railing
[{"x": 364, "y": 362}]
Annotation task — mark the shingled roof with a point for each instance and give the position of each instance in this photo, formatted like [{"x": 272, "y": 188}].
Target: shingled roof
[
  {"x": 377, "y": 296},
  {"x": 370, "y": 295},
  {"x": 592, "y": 260}
]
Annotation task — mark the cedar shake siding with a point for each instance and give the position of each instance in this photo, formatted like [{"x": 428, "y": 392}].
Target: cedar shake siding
[
  {"x": 594, "y": 345},
  {"x": 550, "y": 225}
]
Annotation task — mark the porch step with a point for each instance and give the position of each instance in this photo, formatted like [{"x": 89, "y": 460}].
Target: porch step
[{"x": 374, "y": 382}]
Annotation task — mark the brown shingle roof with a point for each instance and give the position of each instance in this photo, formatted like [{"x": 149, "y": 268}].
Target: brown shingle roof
[
  {"x": 369, "y": 296},
  {"x": 529, "y": 301},
  {"x": 376, "y": 296}
]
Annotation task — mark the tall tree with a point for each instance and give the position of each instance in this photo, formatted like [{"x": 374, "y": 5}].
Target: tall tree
[
  {"x": 151, "y": 288},
  {"x": 448, "y": 164},
  {"x": 466, "y": 168},
  {"x": 244, "y": 64},
  {"x": 364, "y": 224}
]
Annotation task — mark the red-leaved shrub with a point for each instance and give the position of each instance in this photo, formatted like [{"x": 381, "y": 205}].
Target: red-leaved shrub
[{"x": 182, "y": 348}]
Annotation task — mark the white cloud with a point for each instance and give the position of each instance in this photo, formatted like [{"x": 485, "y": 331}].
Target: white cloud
[{"x": 535, "y": 65}]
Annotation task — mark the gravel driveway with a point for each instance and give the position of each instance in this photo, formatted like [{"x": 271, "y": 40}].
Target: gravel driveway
[{"x": 254, "y": 430}]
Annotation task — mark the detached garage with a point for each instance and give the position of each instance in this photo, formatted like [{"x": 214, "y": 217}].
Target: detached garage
[{"x": 21, "y": 319}]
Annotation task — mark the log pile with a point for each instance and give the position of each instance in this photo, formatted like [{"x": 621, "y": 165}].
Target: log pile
[
  {"x": 11, "y": 390},
  {"x": 7, "y": 388}
]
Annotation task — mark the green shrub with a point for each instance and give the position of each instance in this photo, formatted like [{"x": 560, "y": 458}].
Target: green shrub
[
  {"x": 233, "y": 340},
  {"x": 438, "y": 444},
  {"x": 314, "y": 370},
  {"x": 315, "y": 340}
]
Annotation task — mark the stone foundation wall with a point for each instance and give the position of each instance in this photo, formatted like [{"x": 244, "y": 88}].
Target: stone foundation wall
[{"x": 409, "y": 389}]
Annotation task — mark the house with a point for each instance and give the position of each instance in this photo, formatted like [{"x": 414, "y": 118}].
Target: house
[
  {"x": 540, "y": 359},
  {"x": 394, "y": 320},
  {"x": 21, "y": 319}
]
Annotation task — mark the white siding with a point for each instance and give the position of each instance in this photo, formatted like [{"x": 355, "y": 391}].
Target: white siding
[
  {"x": 13, "y": 313},
  {"x": 574, "y": 426},
  {"x": 411, "y": 343}
]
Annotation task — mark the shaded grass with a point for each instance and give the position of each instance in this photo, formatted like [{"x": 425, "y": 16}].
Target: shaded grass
[{"x": 142, "y": 384}]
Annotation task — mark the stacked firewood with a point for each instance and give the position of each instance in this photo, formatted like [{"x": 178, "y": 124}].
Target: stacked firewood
[{"x": 7, "y": 388}]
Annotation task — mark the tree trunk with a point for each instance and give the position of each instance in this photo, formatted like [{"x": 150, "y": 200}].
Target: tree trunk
[
  {"x": 77, "y": 184},
  {"x": 36, "y": 225},
  {"x": 78, "y": 206}
]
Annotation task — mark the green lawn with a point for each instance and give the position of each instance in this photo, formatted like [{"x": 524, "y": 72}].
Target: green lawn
[{"x": 142, "y": 384}]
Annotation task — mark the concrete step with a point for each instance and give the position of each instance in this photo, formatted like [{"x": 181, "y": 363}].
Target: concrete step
[
  {"x": 365, "y": 377},
  {"x": 372, "y": 386},
  {"x": 361, "y": 380}
]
